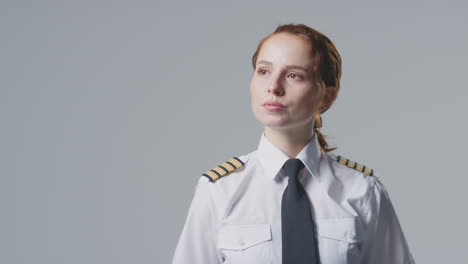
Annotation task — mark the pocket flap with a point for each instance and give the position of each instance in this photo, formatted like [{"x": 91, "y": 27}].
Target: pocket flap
[
  {"x": 240, "y": 237},
  {"x": 345, "y": 229}
]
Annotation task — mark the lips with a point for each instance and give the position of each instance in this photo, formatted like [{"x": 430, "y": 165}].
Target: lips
[
  {"x": 273, "y": 103},
  {"x": 273, "y": 106}
]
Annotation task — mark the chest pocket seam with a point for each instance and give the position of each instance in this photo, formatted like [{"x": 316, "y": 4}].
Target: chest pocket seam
[
  {"x": 344, "y": 229},
  {"x": 241, "y": 237}
]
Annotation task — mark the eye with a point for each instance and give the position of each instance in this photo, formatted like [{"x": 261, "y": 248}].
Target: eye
[
  {"x": 296, "y": 76},
  {"x": 261, "y": 71}
]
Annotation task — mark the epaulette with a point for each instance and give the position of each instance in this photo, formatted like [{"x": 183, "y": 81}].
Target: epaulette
[
  {"x": 223, "y": 169},
  {"x": 366, "y": 170}
]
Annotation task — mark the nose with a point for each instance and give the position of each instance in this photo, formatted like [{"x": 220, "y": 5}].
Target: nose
[{"x": 276, "y": 87}]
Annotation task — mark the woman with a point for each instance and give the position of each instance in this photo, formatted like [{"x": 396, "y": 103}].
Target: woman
[{"x": 291, "y": 200}]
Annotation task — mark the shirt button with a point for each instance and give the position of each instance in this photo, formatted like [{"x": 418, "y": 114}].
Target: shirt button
[
  {"x": 350, "y": 235},
  {"x": 241, "y": 242}
]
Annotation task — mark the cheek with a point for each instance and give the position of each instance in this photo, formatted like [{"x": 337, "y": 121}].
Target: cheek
[
  {"x": 251, "y": 92},
  {"x": 253, "y": 98},
  {"x": 255, "y": 93},
  {"x": 309, "y": 103}
]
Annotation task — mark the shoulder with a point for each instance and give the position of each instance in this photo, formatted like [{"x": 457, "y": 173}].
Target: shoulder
[
  {"x": 355, "y": 178},
  {"x": 358, "y": 176},
  {"x": 230, "y": 167},
  {"x": 359, "y": 182}
]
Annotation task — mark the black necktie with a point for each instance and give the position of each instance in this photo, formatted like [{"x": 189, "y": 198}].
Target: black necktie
[{"x": 297, "y": 225}]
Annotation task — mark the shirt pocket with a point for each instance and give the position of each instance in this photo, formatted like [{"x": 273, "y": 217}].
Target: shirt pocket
[
  {"x": 245, "y": 243},
  {"x": 339, "y": 240}
]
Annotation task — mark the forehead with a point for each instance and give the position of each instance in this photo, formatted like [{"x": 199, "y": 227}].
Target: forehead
[{"x": 286, "y": 48}]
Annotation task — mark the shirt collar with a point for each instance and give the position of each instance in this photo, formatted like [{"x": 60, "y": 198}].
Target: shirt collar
[{"x": 273, "y": 159}]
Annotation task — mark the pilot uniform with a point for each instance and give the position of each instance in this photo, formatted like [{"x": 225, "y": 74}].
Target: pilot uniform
[{"x": 235, "y": 214}]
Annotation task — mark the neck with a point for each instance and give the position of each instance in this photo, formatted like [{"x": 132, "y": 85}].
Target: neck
[{"x": 290, "y": 141}]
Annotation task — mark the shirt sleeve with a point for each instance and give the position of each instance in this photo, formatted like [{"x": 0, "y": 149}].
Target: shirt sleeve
[
  {"x": 386, "y": 243},
  {"x": 197, "y": 243}
]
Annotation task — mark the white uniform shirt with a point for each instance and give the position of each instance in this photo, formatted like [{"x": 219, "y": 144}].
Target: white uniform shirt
[{"x": 237, "y": 219}]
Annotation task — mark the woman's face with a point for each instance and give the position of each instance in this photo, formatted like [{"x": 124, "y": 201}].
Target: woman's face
[{"x": 283, "y": 92}]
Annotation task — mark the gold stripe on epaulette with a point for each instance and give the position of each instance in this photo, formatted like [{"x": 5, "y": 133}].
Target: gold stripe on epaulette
[
  {"x": 368, "y": 171},
  {"x": 219, "y": 170},
  {"x": 223, "y": 169},
  {"x": 342, "y": 160},
  {"x": 238, "y": 163},
  {"x": 211, "y": 175},
  {"x": 227, "y": 166},
  {"x": 351, "y": 164},
  {"x": 357, "y": 166}
]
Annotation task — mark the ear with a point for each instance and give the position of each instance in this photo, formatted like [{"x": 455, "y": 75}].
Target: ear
[{"x": 328, "y": 98}]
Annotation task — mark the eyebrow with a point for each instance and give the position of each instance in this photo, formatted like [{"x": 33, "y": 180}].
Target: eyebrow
[{"x": 287, "y": 66}]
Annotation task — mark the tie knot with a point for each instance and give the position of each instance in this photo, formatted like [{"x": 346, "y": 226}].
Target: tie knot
[{"x": 293, "y": 166}]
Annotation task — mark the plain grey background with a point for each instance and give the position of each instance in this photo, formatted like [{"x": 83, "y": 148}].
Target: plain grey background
[{"x": 111, "y": 110}]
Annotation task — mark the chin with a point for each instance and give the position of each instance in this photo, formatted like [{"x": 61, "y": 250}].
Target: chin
[
  {"x": 283, "y": 123},
  {"x": 273, "y": 122}
]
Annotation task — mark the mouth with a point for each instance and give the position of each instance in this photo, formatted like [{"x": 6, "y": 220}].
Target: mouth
[{"x": 273, "y": 106}]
